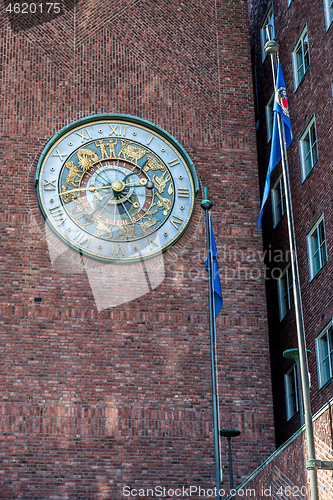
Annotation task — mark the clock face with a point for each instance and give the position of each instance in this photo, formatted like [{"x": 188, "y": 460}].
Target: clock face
[{"x": 116, "y": 188}]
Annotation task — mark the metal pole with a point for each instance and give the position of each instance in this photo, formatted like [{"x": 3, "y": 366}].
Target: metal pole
[
  {"x": 207, "y": 205},
  {"x": 272, "y": 49},
  {"x": 299, "y": 384},
  {"x": 229, "y": 433},
  {"x": 230, "y": 464}
]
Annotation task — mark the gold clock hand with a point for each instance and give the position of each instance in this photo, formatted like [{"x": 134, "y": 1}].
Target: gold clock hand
[{"x": 92, "y": 189}]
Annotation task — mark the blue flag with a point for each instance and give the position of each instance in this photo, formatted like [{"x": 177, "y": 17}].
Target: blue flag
[
  {"x": 281, "y": 107},
  {"x": 215, "y": 277}
]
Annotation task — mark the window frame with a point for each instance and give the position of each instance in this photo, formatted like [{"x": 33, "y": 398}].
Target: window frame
[
  {"x": 285, "y": 291},
  {"x": 278, "y": 199},
  {"x": 328, "y": 8},
  {"x": 322, "y": 380},
  {"x": 300, "y": 43},
  {"x": 263, "y": 36},
  {"x": 302, "y": 149},
  {"x": 291, "y": 373},
  {"x": 320, "y": 245}
]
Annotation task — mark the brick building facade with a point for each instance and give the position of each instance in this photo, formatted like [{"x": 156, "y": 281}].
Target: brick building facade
[
  {"x": 97, "y": 398},
  {"x": 283, "y": 474},
  {"x": 304, "y": 33}
]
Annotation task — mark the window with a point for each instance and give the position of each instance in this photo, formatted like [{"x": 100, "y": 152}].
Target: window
[
  {"x": 285, "y": 289},
  {"x": 328, "y": 5},
  {"x": 308, "y": 148},
  {"x": 269, "y": 19},
  {"x": 317, "y": 252},
  {"x": 324, "y": 348},
  {"x": 301, "y": 57},
  {"x": 269, "y": 117},
  {"x": 291, "y": 388},
  {"x": 278, "y": 201}
]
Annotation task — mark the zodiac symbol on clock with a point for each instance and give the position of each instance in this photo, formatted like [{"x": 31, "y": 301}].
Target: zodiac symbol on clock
[
  {"x": 73, "y": 173},
  {"x": 161, "y": 182},
  {"x": 130, "y": 151},
  {"x": 163, "y": 204},
  {"x": 86, "y": 158},
  {"x": 126, "y": 232},
  {"x": 147, "y": 226},
  {"x": 101, "y": 144},
  {"x": 153, "y": 163},
  {"x": 101, "y": 226},
  {"x": 67, "y": 198}
]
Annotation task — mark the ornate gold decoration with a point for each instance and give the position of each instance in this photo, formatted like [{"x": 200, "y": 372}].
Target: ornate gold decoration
[
  {"x": 101, "y": 226},
  {"x": 112, "y": 144},
  {"x": 161, "y": 182},
  {"x": 73, "y": 173},
  {"x": 118, "y": 186},
  {"x": 101, "y": 145},
  {"x": 86, "y": 158},
  {"x": 101, "y": 187},
  {"x": 148, "y": 225},
  {"x": 153, "y": 163},
  {"x": 129, "y": 151},
  {"x": 126, "y": 232},
  {"x": 67, "y": 198},
  {"x": 164, "y": 204}
]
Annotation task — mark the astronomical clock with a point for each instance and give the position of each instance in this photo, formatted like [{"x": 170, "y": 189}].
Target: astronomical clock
[{"x": 116, "y": 187}]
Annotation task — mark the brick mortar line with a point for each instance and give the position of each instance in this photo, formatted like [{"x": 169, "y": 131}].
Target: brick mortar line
[
  {"x": 175, "y": 424},
  {"x": 41, "y": 312},
  {"x": 228, "y": 142}
]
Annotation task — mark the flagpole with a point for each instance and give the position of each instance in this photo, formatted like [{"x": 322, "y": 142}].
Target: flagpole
[
  {"x": 271, "y": 48},
  {"x": 206, "y": 205}
]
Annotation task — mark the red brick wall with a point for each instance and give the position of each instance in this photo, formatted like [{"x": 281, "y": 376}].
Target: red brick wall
[
  {"x": 93, "y": 400},
  {"x": 310, "y": 198},
  {"x": 284, "y": 475}
]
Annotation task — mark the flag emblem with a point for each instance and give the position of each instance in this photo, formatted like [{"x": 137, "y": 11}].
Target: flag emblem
[
  {"x": 280, "y": 109},
  {"x": 215, "y": 281},
  {"x": 282, "y": 100}
]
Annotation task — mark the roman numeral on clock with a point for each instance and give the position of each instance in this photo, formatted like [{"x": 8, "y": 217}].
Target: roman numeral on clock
[
  {"x": 81, "y": 239},
  {"x": 115, "y": 131},
  {"x": 174, "y": 162},
  {"x": 82, "y": 135},
  {"x": 183, "y": 193},
  {"x": 49, "y": 185},
  {"x": 176, "y": 222},
  {"x": 119, "y": 250},
  {"x": 58, "y": 214},
  {"x": 60, "y": 155}
]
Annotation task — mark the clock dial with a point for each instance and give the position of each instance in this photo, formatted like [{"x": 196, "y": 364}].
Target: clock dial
[{"x": 116, "y": 188}]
